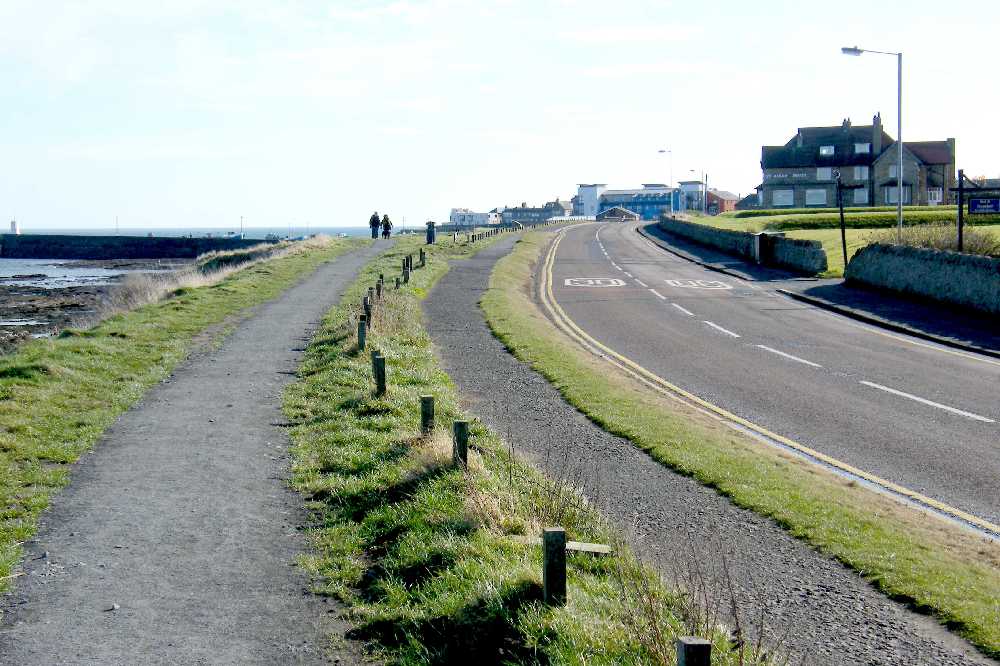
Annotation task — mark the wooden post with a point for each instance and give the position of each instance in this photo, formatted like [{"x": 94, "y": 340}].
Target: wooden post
[
  {"x": 362, "y": 332},
  {"x": 460, "y": 443},
  {"x": 426, "y": 413},
  {"x": 406, "y": 276},
  {"x": 381, "y": 277},
  {"x": 378, "y": 290},
  {"x": 694, "y": 651},
  {"x": 371, "y": 296},
  {"x": 397, "y": 283},
  {"x": 375, "y": 352},
  {"x": 554, "y": 566},
  {"x": 367, "y": 305},
  {"x": 379, "y": 376},
  {"x": 404, "y": 264}
]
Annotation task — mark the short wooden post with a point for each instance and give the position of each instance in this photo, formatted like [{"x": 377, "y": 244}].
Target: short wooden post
[
  {"x": 460, "y": 443},
  {"x": 423, "y": 258},
  {"x": 371, "y": 296},
  {"x": 404, "y": 265},
  {"x": 379, "y": 375},
  {"x": 367, "y": 305},
  {"x": 426, "y": 413},
  {"x": 381, "y": 277},
  {"x": 554, "y": 566},
  {"x": 406, "y": 276},
  {"x": 397, "y": 283},
  {"x": 362, "y": 332},
  {"x": 694, "y": 651},
  {"x": 378, "y": 290},
  {"x": 375, "y": 352}
]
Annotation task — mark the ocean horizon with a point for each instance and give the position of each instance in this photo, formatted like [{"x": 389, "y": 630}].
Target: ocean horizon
[{"x": 217, "y": 232}]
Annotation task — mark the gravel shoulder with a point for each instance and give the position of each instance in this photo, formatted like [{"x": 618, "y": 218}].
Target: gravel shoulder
[
  {"x": 176, "y": 540},
  {"x": 828, "y": 613}
]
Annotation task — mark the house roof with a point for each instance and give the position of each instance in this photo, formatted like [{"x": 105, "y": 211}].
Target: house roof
[
  {"x": 802, "y": 150},
  {"x": 931, "y": 152},
  {"x": 723, "y": 194}
]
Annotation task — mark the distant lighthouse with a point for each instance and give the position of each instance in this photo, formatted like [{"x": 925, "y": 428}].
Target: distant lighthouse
[{"x": 15, "y": 228}]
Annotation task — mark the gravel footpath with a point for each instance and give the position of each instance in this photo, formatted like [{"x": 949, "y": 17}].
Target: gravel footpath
[
  {"x": 827, "y": 613},
  {"x": 176, "y": 540}
]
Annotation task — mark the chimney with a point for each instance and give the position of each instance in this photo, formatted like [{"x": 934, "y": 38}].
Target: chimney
[{"x": 876, "y": 135}]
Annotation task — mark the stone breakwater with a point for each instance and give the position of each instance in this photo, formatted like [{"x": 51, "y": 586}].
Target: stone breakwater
[{"x": 53, "y": 246}]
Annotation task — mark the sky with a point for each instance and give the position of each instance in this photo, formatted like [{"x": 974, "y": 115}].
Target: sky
[{"x": 192, "y": 113}]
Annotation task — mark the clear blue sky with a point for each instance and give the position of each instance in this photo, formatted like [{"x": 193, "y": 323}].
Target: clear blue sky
[{"x": 189, "y": 113}]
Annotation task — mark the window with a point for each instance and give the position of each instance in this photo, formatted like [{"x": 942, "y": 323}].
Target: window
[
  {"x": 824, "y": 173},
  {"x": 862, "y": 148},
  {"x": 891, "y": 195},
  {"x": 783, "y": 198},
  {"x": 860, "y": 173},
  {"x": 894, "y": 168},
  {"x": 861, "y": 195},
  {"x": 826, "y": 151},
  {"x": 934, "y": 195},
  {"x": 815, "y": 197}
]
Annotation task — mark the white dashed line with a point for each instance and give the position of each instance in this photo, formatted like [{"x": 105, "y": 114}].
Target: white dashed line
[
  {"x": 931, "y": 403},
  {"x": 789, "y": 356},
  {"x": 683, "y": 309},
  {"x": 640, "y": 283},
  {"x": 617, "y": 267},
  {"x": 720, "y": 329},
  {"x": 658, "y": 295},
  {"x": 628, "y": 274}
]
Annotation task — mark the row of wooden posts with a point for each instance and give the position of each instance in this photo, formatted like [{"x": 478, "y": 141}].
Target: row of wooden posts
[{"x": 690, "y": 651}]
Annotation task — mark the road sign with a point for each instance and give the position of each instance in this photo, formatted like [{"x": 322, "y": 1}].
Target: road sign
[{"x": 982, "y": 205}]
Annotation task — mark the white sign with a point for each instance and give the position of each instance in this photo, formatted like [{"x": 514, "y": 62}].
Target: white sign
[
  {"x": 594, "y": 282},
  {"x": 698, "y": 284}
]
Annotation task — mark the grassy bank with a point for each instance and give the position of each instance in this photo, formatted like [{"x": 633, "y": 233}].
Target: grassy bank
[
  {"x": 427, "y": 554},
  {"x": 935, "y": 567},
  {"x": 57, "y": 396}
]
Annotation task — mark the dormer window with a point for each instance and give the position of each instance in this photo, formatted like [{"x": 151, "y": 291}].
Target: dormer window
[
  {"x": 862, "y": 148},
  {"x": 826, "y": 151}
]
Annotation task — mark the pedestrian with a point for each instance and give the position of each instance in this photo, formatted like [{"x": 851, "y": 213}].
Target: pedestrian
[
  {"x": 373, "y": 222},
  {"x": 386, "y": 226}
]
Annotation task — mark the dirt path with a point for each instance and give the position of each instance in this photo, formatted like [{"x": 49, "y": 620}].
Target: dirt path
[
  {"x": 832, "y": 616},
  {"x": 176, "y": 541}
]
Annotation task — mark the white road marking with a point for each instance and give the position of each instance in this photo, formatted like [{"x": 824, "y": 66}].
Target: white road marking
[
  {"x": 699, "y": 284},
  {"x": 628, "y": 274},
  {"x": 658, "y": 295},
  {"x": 683, "y": 309},
  {"x": 593, "y": 282},
  {"x": 616, "y": 266},
  {"x": 789, "y": 356},
  {"x": 641, "y": 283},
  {"x": 719, "y": 328},
  {"x": 931, "y": 403}
]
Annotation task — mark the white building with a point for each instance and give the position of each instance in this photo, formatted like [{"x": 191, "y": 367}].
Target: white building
[
  {"x": 468, "y": 218},
  {"x": 15, "y": 228},
  {"x": 587, "y": 197}
]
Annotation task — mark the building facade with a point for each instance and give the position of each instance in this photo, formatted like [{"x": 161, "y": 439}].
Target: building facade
[
  {"x": 525, "y": 214},
  {"x": 649, "y": 202},
  {"x": 720, "y": 201},
  {"x": 803, "y": 172},
  {"x": 587, "y": 196},
  {"x": 464, "y": 217}
]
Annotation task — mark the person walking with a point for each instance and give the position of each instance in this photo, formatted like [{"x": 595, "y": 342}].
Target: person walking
[
  {"x": 374, "y": 223},
  {"x": 386, "y": 227}
]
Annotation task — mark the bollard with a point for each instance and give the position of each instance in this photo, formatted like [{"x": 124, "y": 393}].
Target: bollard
[
  {"x": 378, "y": 290},
  {"x": 426, "y": 413},
  {"x": 404, "y": 264},
  {"x": 397, "y": 283},
  {"x": 460, "y": 443},
  {"x": 367, "y": 305},
  {"x": 693, "y": 651},
  {"x": 375, "y": 352},
  {"x": 423, "y": 258},
  {"x": 406, "y": 276},
  {"x": 371, "y": 296},
  {"x": 381, "y": 277},
  {"x": 554, "y": 566},
  {"x": 409, "y": 261},
  {"x": 379, "y": 376},
  {"x": 362, "y": 333}
]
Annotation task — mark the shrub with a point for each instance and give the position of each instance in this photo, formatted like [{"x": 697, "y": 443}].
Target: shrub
[{"x": 942, "y": 237}]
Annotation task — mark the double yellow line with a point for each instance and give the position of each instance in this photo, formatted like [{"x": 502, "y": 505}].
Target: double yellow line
[{"x": 657, "y": 383}]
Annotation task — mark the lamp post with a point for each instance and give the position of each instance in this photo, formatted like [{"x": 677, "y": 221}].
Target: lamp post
[
  {"x": 671, "y": 184},
  {"x": 855, "y": 51}
]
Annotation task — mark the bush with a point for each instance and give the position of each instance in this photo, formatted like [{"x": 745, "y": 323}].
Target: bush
[
  {"x": 942, "y": 237},
  {"x": 870, "y": 220}
]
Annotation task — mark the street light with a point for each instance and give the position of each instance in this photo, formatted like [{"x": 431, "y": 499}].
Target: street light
[
  {"x": 671, "y": 153},
  {"x": 855, "y": 51}
]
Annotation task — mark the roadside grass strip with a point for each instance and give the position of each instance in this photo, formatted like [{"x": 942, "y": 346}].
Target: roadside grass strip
[
  {"x": 431, "y": 557},
  {"x": 57, "y": 396},
  {"x": 933, "y": 566}
]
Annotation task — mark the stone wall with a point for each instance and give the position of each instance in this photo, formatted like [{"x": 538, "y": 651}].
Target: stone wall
[
  {"x": 949, "y": 277},
  {"x": 53, "y": 246},
  {"x": 805, "y": 256}
]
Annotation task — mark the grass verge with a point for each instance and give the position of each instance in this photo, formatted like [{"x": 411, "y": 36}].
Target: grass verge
[
  {"x": 929, "y": 564},
  {"x": 426, "y": 553},
  {"x": 57, "y": 396}
]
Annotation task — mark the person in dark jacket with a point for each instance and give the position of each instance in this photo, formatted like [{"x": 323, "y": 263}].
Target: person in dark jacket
[
  {"x": 386, "y": 227},
  {"x": 374, "y": 223}
]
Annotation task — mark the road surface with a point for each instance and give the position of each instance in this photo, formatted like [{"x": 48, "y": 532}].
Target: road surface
[{"x": 908, "y": 411}]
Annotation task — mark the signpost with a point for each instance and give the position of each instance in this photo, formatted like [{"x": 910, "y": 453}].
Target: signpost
[
  {"x": 977, "y": 205},
  {"x": 983, "y": 206},
  {"x": 840, "y": 205}
]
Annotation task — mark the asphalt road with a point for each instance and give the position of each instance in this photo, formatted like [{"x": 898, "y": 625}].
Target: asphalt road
[{"x": 916, "y": 414}]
